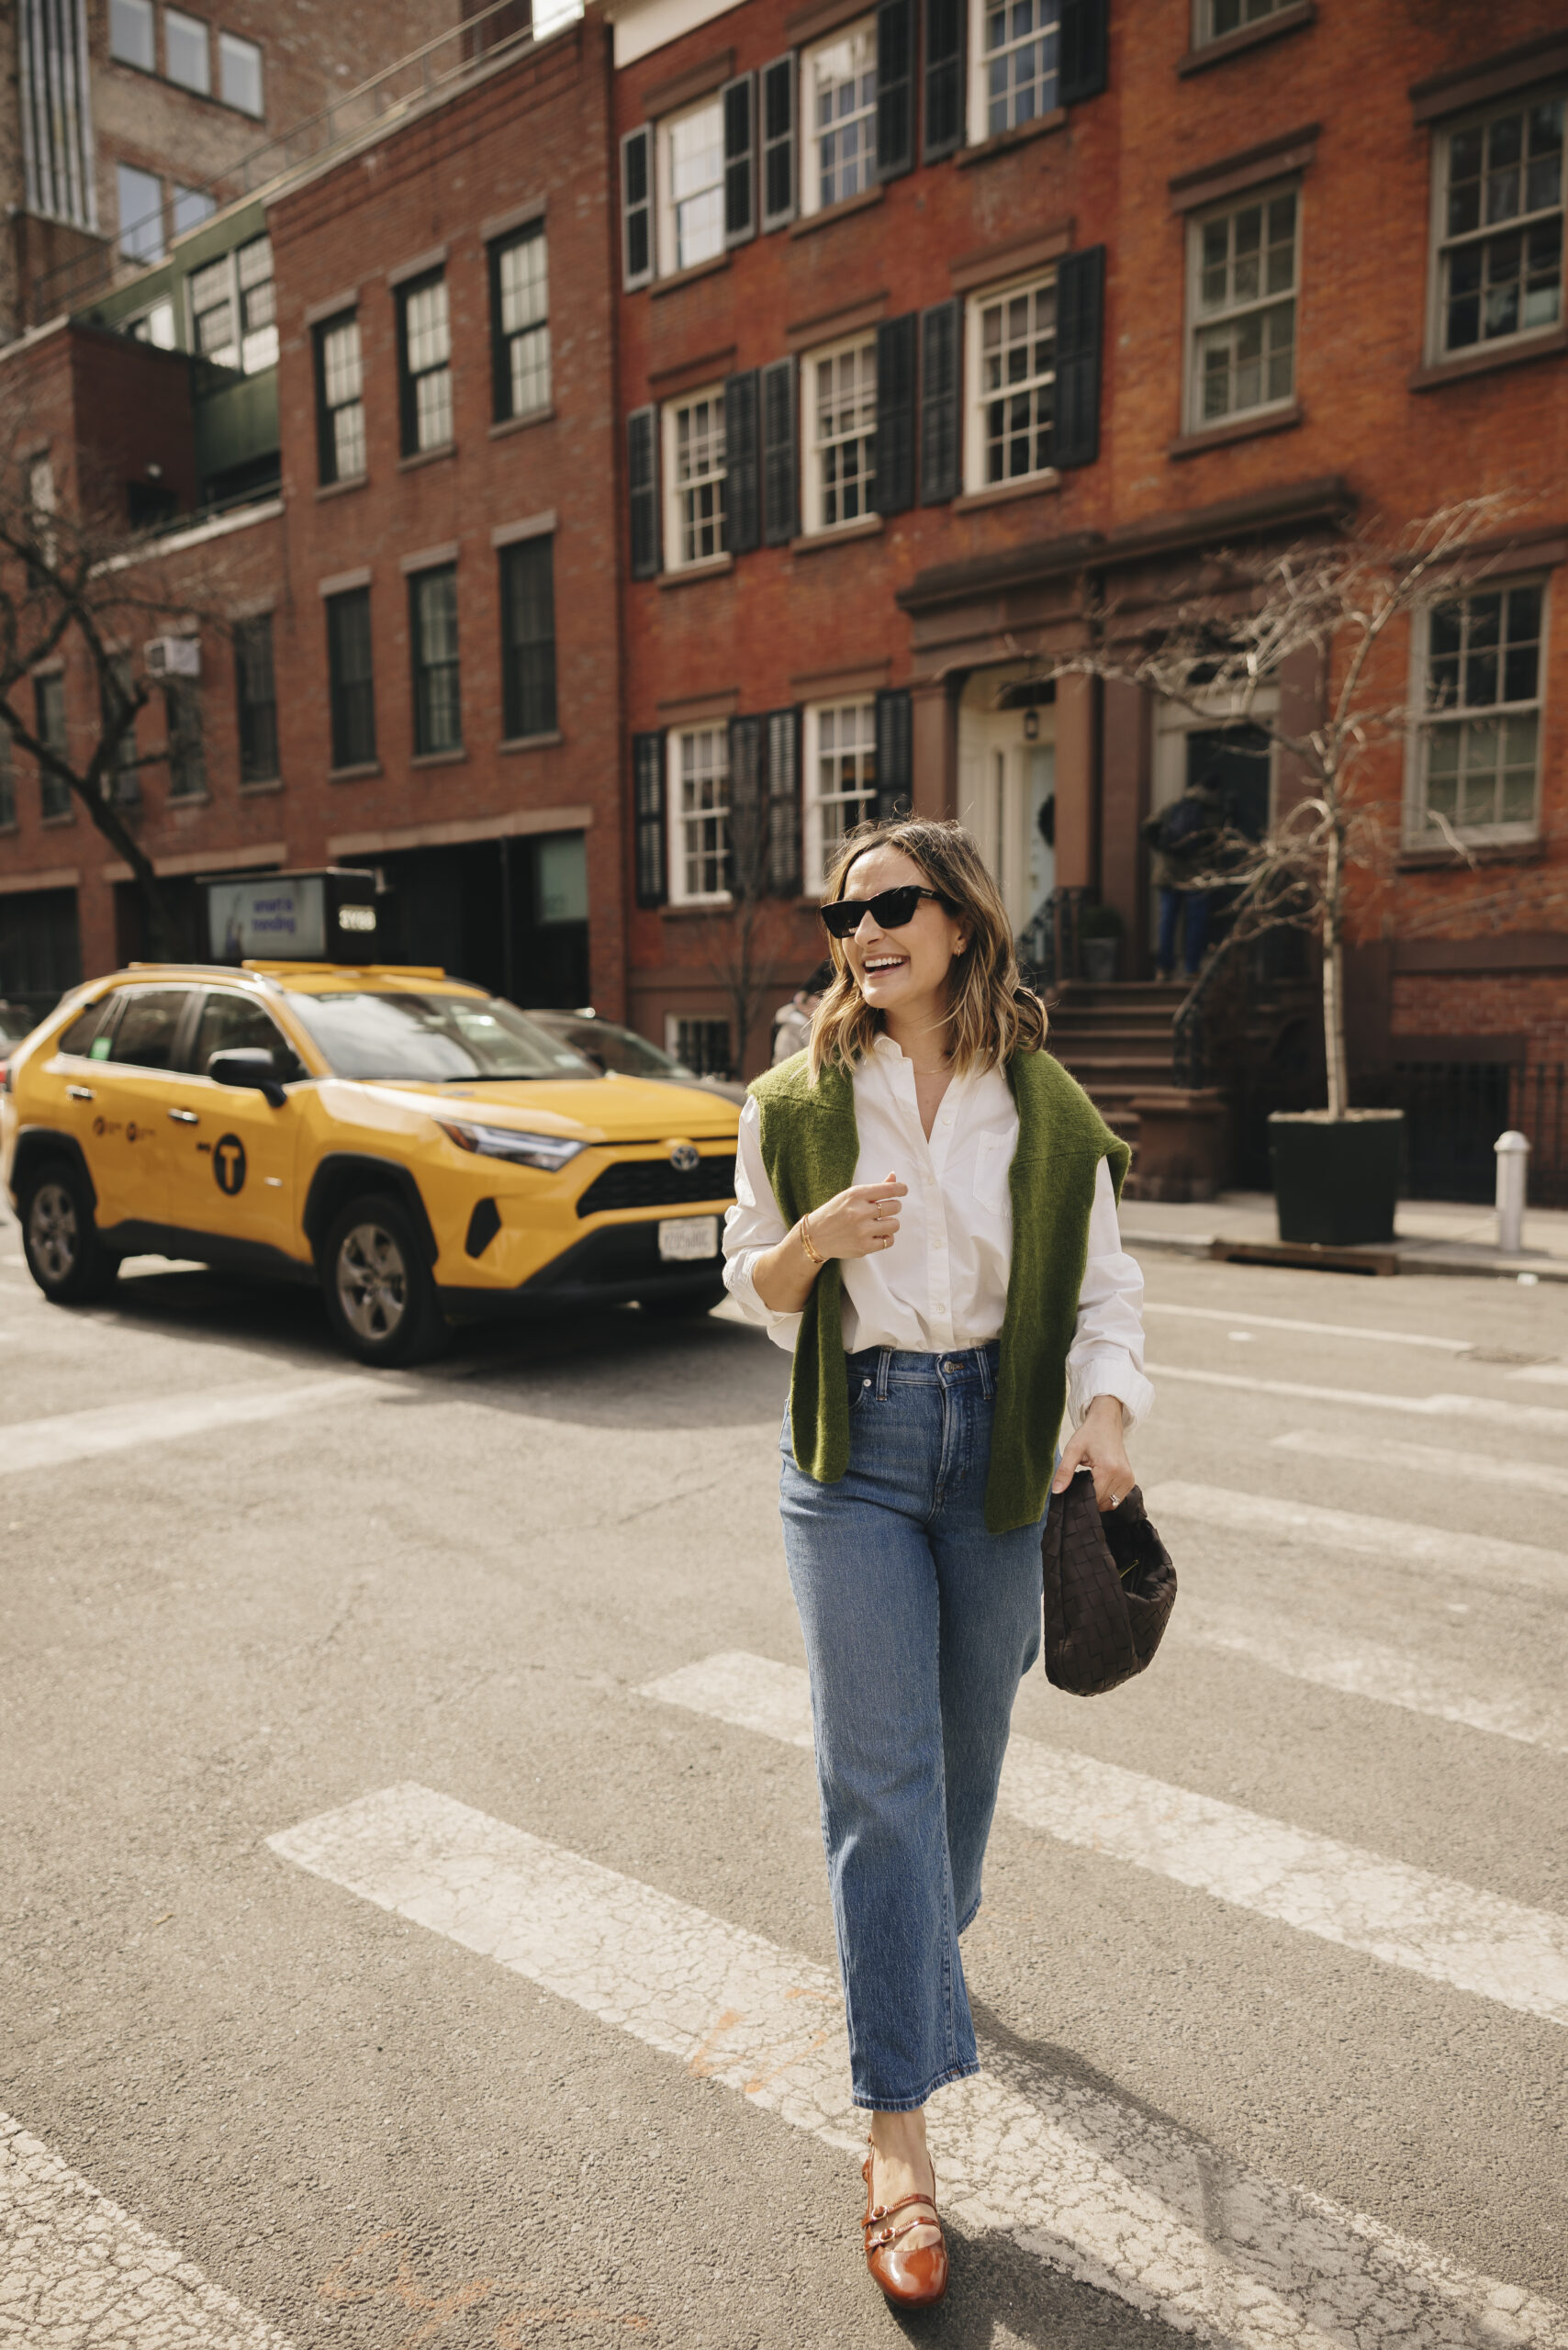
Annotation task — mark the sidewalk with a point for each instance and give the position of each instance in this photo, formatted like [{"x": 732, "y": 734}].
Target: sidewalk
[{"x": 1430, "y": 1237}]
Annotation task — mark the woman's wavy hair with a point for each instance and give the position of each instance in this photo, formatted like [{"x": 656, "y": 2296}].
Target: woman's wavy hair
[{"x": 992, "y": 1015}]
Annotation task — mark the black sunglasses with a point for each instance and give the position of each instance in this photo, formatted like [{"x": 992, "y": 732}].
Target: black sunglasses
[{"x": 890, "y": 910}]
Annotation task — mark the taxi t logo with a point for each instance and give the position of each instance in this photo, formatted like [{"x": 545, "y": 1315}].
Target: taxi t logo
[{"x": 228, "y": 1164}]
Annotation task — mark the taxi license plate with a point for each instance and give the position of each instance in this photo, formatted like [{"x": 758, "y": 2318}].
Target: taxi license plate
[{"x": 683, "y": 1239}]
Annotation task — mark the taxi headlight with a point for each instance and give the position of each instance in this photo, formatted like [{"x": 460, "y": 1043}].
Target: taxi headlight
[{"x": 549, "y": 1152}]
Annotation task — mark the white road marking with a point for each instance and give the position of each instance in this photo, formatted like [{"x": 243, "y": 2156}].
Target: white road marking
[
  {"x": 1544, "y": 1374},
  {"x": 1479, "y": 1558},
  {"x": 1432, "y": 1407},
  {"x": 155, "y": 1419},
  {"x": 1130, "y": 2206},
  {"x": 1424, "y": 1459},
  {"x": 1450, "y": 1933},
  {"x": 1315, "y": 1329},
  {"x": 76, "y": 2271},
  {"x": 1387, "y": 1677}
]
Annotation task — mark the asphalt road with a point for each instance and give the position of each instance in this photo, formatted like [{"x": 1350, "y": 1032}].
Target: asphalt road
[{"x": 1272, "y": 1976}]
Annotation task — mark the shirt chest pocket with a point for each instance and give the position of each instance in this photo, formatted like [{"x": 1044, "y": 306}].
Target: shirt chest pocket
[{"x": 994, "y": 1159}]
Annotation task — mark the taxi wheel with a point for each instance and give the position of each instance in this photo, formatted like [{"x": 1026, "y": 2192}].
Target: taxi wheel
[
  {"x": 381, "y": 1300},
  {"x": 59, "y": 1237}
]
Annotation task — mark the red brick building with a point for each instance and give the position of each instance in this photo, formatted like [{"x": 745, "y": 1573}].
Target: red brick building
[{"x": 971, "y": 323}]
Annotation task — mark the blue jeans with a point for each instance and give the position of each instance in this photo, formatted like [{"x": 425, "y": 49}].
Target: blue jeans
[
  {"x": 919, "y": 1627},
  {"x": 1193, "y": 906}
]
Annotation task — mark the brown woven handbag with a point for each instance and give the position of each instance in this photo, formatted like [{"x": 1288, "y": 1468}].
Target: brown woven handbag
[{"x": 1109, "y": 1587}]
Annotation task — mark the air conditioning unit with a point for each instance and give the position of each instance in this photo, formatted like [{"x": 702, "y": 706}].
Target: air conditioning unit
[{"x": 173, "y": 657}]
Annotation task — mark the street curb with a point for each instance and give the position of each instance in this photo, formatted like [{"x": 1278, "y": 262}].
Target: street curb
[{"x": 1409, "y": 1257}]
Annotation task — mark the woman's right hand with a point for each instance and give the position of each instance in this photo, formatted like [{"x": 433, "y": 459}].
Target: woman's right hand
[{"x": 860, "y": 1221}]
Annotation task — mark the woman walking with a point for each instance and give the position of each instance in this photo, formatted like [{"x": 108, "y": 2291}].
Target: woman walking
[{"x": 926, "y": 1217}]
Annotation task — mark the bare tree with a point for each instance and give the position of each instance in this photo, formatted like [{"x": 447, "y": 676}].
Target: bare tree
[
  {"x": 81, "y": 591},
  {"x": 1242, "y": 619}
]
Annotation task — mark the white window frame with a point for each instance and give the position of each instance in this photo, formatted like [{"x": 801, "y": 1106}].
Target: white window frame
[
  {"x": 525, "y": 344},
  {"x": 977, "y": 399},
  {"x": 1437, "y": 352},
  {"x": 977, "y": 128},
  {"x": 1200, "y": 322},
  {"x": 808, "y": 160},
  {"x": 667, "y": 244},
  {"x": 813, "y": 468},
  {"x": 678, "y": 492},
  {"x": 1253, "y": 12},
  {"x": 714, "y": 767},
  {"x": 228, "y": 42},
  {"x": 254, "y": 347},
  {"x": 1419, "y": 833},
  {"x": 182, "y": 16},
  {"x": 817, "y": 843}
]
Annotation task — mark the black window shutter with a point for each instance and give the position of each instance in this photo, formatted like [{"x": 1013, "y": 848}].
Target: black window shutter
[
  {"x": 779, "y": 142},
  {"x": 637, "y": 207},
  {"x": 941, "y": 335},
  {"x": 1082, "y": 51},
  {"x": 784, "y": 803},
  {"x": 895, "y": 87},
  {"x": 648, "y": 815},
  {"x": 743, "y": 486},
  {"x": 500, "y": 358},
  {"x": 738, "y": 99},
  {"x": 895, "y": 768},
  {"x": 1081, "y": 302},
  {"x": 643, "y": 489},
  {"x": 946, "y": 33},
  {"x": 748, "y": 809},
  {"x": 780, "y": 501},
  {"x": 897, "y": 342}
]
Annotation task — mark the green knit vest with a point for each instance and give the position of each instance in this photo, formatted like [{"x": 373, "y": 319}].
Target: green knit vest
[{"x": 809, "y": 1147}]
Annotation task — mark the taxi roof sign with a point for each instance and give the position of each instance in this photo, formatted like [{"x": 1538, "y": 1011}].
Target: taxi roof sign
[{"x": 326, "y": 913}]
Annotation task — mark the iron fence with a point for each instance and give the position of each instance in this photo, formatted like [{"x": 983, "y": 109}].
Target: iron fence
[{"x": 1454, "y": 1111}]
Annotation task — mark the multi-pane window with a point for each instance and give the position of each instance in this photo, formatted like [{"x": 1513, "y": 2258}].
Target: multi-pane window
[
  {"x": 694, "y": 472},
  {"x": 838, "y": 103},
  {"x": 141, "y": 213},
  {"x": 1021, "y": 40},
  {"x": 233, "y": 310},
  {"x": 691, "y": 149},
  {"x": 258, "y": 305},
  {"x": 520, "y": 323},
  {"x": 1481, "y": 737},
  {"x": 1243, "y": 308},
  {"x": 1500, "y": 253},
  {"x": 527, "y": 639},
  {"x": 115, "y": 687},
  {"x": 340, "y": 401},
  {"x": 433, "y": 636},
  {"x": 1218, "y": 18},
  {"x": 426, "y": 357},
  {"x": 1012, "y": 348},
  {"x": 350, "y": 686},
  {"x": 49, "y": 725},
  {"x": 842, "y": 425},
  {"x": 188, "y": 759},
  {"x": 213, "y": 313},
  {"x": 841, "y": 770},
  {"x": 699, "y": 811},
  {"x": 240, "y": 74},
  {"x": 255, "y": 696},
  {"x": 700, "y": 1045},
  {"x": 185, "y": 52},
  {"x": 130, "y": 33}
]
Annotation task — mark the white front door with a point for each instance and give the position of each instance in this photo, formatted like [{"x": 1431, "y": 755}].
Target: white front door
[{"x": 1004, "y": 783}]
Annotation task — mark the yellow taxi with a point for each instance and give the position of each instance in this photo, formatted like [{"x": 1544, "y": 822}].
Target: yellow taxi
[{"x": 416, "y": 1146}]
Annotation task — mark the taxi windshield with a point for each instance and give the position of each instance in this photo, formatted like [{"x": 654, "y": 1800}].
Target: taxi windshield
[{"x": 434, "y": 1038}]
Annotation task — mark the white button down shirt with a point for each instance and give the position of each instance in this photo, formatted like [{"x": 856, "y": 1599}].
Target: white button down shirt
[{"x": 944, "y": 1281}]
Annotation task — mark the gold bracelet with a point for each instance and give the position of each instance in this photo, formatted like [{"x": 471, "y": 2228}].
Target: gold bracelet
[{"x": 806, "y": 1242}]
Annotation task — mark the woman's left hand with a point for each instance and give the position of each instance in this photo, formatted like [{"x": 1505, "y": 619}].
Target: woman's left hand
[{"x": 1097, "y": 1444}]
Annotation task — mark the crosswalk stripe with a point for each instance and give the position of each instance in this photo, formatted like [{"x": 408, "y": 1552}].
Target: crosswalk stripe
[
  {"x": 1451, "y": 1933},
  {"x": 1500, "y": 1413},
  {"x": 75, "y": 2270},
  {"x": 1543, "y": 1374},
  {"x": 1125, "y": 2203},
  {"x": 1367, "y": 1669},
  {"x": 155, "y": 1419},
  {"x": 1266, "y": 1517},
  {"x": 1312, "y": 1329},
  {"x": 1424, "y": 1459}
]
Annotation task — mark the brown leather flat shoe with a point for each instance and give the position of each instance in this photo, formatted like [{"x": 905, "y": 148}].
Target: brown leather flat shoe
[{"x": 910, "y": 2277}]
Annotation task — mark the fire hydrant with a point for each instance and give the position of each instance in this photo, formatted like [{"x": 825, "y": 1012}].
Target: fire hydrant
[{"x": 1513, "y": 1165}]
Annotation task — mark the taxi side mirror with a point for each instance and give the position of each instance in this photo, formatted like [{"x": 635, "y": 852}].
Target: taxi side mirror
[{"x": 248, "y": 1064}]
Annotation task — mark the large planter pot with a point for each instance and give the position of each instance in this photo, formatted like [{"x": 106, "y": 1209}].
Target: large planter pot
[
  {"x": 1336, "y": 1180},
  {"x": 1100, "y": 959}
]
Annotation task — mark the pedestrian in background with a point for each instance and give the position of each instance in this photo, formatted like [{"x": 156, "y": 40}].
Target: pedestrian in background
[
  {"x": 1185, "y": 838},
  {"x": 940, "y": 1314},
  {"x": 793, "y": 1021}
]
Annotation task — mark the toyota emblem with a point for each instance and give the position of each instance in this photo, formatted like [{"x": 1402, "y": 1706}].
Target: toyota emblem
[{"x": 685, "y": 1158}]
